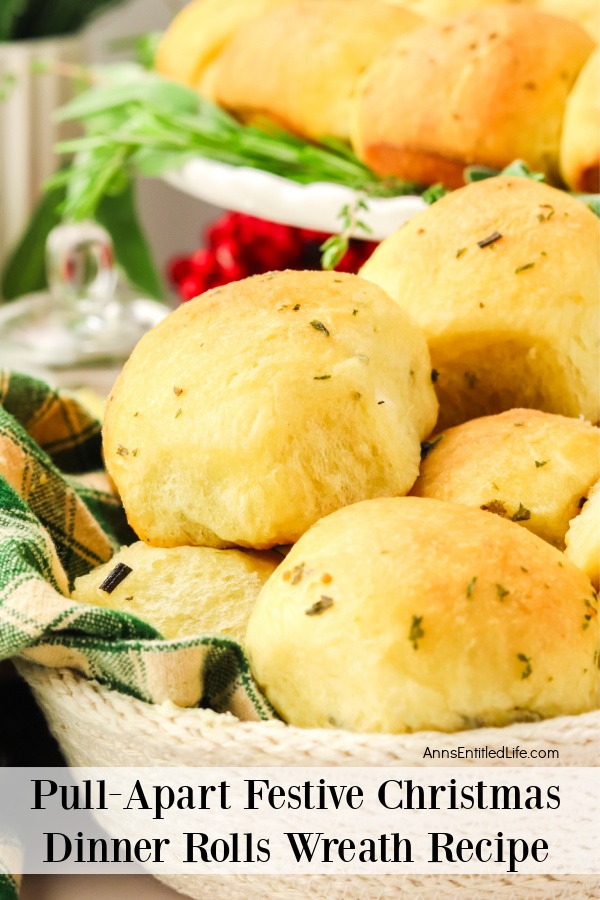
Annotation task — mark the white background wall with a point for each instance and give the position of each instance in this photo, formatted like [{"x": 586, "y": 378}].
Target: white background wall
[{"x": 173, "y": 221}]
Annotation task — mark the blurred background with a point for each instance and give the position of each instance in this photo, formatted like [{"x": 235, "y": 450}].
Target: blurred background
[
  {"x": 173, "y": 223},
  {"x": 76, "y": 296},
  {"x": 172, "y": 220}
]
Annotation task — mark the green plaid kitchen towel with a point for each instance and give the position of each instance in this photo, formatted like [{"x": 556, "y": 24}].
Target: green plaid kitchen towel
[
  {"x": 59, "y": 519},
  {"x": 11, "y": 857}
]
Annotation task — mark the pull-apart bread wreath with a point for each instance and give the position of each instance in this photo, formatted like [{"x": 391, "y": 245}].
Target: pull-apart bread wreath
[
  {"x": 502, "y": 275},
  {"x": 259, "y": 407},
  {"x": 404, "y": 614},
  {"x": 299, "y": 65},
  {"x": 422, "y": 88},
  {"x": 486, "y": 86}
]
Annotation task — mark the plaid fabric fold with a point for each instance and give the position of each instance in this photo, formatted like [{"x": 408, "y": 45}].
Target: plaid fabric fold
[
  {"x": 59, "y": 519},
  {"x": 9, "y": 884}
]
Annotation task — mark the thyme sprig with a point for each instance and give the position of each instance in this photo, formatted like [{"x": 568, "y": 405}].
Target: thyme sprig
[{"x": 335, "y": 247}]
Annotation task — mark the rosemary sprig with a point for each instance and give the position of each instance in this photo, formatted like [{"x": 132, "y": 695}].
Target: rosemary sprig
[{"x": 139, "y": 123}]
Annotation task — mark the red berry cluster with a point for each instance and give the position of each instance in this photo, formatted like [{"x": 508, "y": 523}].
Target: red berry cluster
[{"x": 237, "y": 245}]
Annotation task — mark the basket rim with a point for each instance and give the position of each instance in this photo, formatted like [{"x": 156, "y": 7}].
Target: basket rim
[{"x": 167, "y": 718}]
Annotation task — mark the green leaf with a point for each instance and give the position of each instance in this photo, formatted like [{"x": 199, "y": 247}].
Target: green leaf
[
  {"x": 434, "y": 193},
  {"x": 479, "y": 173},
  {"x": 591, "y": 200},
  {"x": 142, "y": 46},
  {"x": 339, "y": 146},
  {"x": 521, "y": 169},
  {"x": 517, "y": 168},
  {"x": 119, "y": 216},
  {"x": 152, "y": 163},
  {"x": 147, "y": 89},
  {"x": 25, "y": 269},
  {"x": 391, "y": 187},
  {"x": 146, "y": 47},
  {"x": 85, "y": 193},
  {"x": 333, "y": 251},
  {"x": 359, "y": 225}
]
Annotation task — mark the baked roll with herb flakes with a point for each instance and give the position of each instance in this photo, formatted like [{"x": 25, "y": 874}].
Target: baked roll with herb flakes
[
  {"x": 502, "y": 276},
  {"x": 487, "y": 86},
  {"x": 255, "y": 409},
  {"x": 528, "y": 466},
  {"x": 583, "y": 536},
  {"x": 580, "y": 143},
  {"x": 180, "y": 591},
  {"x": 299, "y": 65},
  {"x": 407, "y": 614}
]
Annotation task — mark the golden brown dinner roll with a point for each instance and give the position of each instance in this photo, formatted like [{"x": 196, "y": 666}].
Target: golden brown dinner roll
[
  {"x": 200, "y": 31},
  {"x": 585, "y": 12},
  {"x": 486, "y": 86},
  {"x": 182, "y": 591},
  {"x": 252, "y": 411},
  {"x": 580, "y": 144},
  {"x": 583, "y": 537},
  {"x": 299, "y": 65},
  {"x": 503, "y": 277},
  {"x": 403, "y": 614},
  {"x": 526, "y": 465}
]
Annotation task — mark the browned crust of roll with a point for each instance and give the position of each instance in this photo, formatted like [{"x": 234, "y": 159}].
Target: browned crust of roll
[
  {"x": 486, "y": 86},
  {"x": 301, "y": 64},
  {"x": 416, "y": 164}
]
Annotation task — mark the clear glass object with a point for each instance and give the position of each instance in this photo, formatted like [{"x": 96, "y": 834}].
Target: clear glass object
[{"x": 82, "y": 323}]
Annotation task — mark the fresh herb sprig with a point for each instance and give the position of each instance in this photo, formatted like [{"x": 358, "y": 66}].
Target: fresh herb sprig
[
  {"x": 517, "y": 167},
  {"x": 138, "y": 123},
  {"x": 474, "y": 173},
  {"x": 335, "y": 247}
]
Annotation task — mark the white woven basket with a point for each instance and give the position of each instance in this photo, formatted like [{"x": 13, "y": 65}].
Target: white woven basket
[{"x": 96, "y": 726}]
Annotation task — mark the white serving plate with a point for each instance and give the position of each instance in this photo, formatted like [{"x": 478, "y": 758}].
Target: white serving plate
[{"x": 316, "y": 206}]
